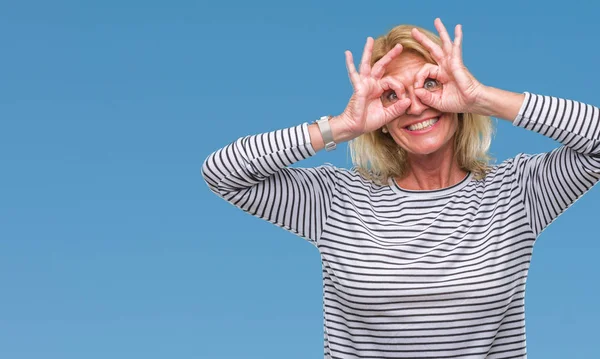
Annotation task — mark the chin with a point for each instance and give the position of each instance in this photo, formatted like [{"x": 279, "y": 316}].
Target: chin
[
  {"x": 423, "y": 151},
  {"x": 428, "y": 146}
]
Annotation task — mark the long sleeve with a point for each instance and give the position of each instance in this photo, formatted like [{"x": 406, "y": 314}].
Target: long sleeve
[
  {"x": 252, "y": 173},
  {"x": 551, "y": 182}
]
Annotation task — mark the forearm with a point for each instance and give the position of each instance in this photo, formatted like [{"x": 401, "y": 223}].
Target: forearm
[
  {"x": 552, "y": 181},
  {"x": 499, "y": 103},
  {"x": 574, "y": 124},
  {"x": 254, "y": 174},
  {"x": 249, "y": 160}
]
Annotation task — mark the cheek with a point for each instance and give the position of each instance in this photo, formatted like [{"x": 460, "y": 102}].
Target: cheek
[
  {"x": 451, "y": 125},
  {"x": 395, "y": 122}
]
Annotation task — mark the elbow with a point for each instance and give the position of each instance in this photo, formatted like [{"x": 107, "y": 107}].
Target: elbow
[{"x": 208, "y": 173}]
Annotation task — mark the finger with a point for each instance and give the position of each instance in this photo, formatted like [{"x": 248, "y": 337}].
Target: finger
[
  {"x": 446, "y": 41},
  {"x": 390, "y": 83},
  {"x": 457, "y": 46},
  {"x": 433, "y": 48},
  {"x": 379, "y": 68},
  {"x": 431, "y": 99},
  {"x": 352, "y": 74},
  {"x": 397, "y": 109},
  {"x": 427, "y": 71},
  {"x": 365, "y": 63},
  {"x": 399, "y": 106}
]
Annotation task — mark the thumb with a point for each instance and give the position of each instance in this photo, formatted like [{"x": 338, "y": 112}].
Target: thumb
[{"x": 427, "y": 97}]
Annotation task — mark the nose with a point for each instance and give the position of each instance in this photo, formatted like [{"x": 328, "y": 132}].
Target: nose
[{"x": 416, "y": 106}]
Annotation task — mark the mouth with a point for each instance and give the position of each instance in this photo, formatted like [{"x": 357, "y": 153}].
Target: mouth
[{"x": 422, "y": 126}]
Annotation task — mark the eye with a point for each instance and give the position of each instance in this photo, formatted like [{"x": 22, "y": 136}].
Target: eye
[
  {"x": 389, "y": 96},
  {"x": 431, "y": 84}
]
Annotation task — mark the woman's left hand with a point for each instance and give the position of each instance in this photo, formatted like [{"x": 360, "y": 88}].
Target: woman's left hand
[{"x": 459, "y": 89}]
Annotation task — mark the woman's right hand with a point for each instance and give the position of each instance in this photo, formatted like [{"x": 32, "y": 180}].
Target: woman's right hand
[{"x": 365, "y": 111}]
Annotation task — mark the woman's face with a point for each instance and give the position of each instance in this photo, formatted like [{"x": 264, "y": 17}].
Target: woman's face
[{"x": 422, "y": 130}]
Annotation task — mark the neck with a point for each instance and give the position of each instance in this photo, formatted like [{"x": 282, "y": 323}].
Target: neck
[{"x": 433, "y": 171}]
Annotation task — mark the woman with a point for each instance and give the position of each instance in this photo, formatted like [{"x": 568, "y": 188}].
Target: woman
[{"x": 425, "y": 248}]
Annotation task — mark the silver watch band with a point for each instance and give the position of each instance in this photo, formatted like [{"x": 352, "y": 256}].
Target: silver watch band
[{"x": 323, "y": 123}]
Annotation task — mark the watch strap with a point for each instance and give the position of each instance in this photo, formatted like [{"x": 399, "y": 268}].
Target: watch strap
[{"x": 325, "y": 129}]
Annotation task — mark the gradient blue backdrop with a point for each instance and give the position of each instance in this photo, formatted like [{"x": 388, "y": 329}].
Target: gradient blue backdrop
[{"x": 111, "y": 244}]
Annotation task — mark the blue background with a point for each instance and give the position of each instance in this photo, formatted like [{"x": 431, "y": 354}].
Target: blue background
[{"x": 111, "y": 244}]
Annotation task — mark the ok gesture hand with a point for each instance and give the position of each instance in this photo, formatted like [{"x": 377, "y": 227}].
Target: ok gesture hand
[
  {"x": 365, "y": 112},
  {"x": 460, "y": 90}
]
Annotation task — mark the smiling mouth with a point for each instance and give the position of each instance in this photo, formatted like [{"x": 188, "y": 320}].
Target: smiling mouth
[{"x": 423, "y": 124}]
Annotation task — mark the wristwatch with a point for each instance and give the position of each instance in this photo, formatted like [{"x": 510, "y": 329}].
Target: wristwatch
[{"x": 323, "y": 123}]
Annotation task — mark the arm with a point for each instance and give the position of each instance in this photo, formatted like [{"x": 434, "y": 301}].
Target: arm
[
  {"x": 252, "y": 174},
  {"x": 551, "y": 182}
]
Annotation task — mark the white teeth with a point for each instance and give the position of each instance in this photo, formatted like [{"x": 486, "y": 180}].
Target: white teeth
[{"x": 423, "y": 125}]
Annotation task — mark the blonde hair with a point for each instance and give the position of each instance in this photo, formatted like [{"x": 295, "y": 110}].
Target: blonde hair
[{"x": 377, "y": 157}]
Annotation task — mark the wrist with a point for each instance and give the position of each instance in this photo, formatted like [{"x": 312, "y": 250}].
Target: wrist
[
  {"x": 339, "y": 129},
  {"x": 338, "y": 125},
  {"x": 498, "y": 103},
  {"x": 483, "y": 102}
]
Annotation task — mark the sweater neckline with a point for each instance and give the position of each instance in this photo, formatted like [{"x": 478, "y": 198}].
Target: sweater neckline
[{"x": 430, "y": 193}]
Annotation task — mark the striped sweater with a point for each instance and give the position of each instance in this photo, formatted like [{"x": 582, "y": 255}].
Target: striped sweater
[{"x": 418, "y": 274}]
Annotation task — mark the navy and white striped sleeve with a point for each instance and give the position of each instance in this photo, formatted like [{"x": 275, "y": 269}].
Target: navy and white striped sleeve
[
  {"x": 552, "y": 181},
  {"x": 252, "y": 173}
]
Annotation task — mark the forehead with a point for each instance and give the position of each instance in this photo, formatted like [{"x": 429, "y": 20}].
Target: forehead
[{"x": 406, "y": 65}]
